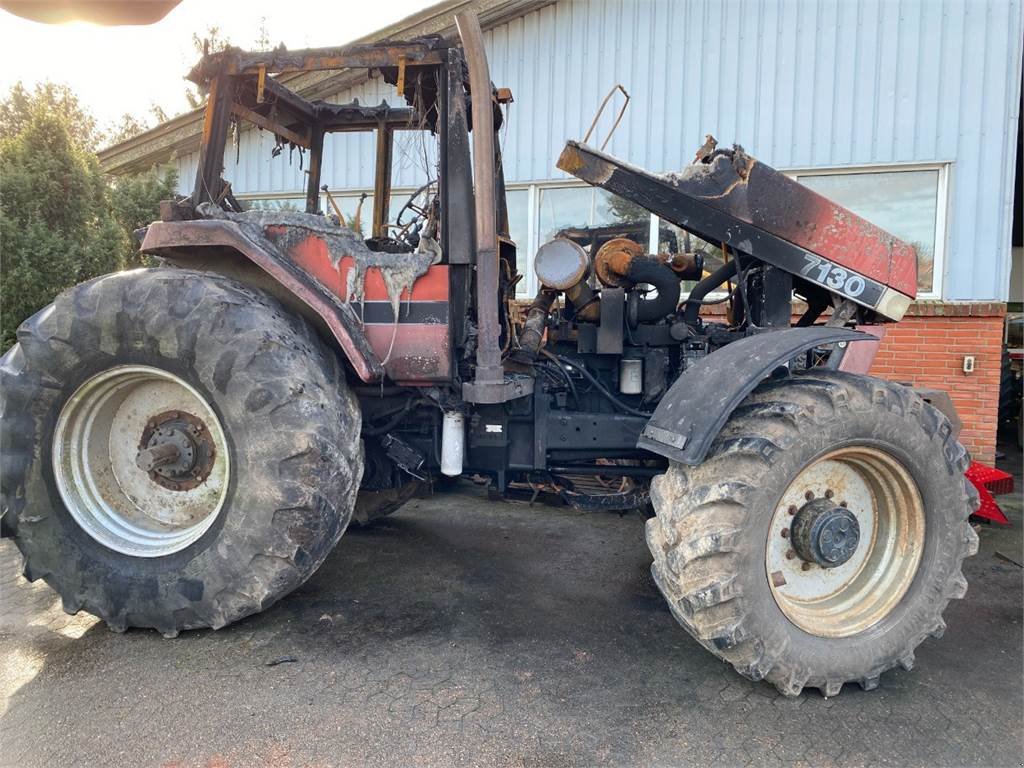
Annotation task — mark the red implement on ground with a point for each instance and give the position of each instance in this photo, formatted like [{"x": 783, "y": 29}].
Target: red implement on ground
[{"x": 990, "y": 482}]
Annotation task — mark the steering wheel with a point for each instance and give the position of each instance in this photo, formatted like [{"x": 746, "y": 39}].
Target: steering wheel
[{"x": 418, "y": 203}]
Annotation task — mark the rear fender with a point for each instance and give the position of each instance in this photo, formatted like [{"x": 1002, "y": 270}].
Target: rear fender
[
  {"x": 209, "y": 244},
  {"x": 697, "y": 405}
]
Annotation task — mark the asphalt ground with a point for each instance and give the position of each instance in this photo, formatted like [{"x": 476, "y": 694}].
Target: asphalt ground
[{"x": 463, "y": 631}]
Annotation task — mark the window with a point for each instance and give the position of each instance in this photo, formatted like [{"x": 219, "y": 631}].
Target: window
[
  {"x": 518, "y": 203},
  {"x": 576, "y": 211},
  {"x": 907, "y": 203}
]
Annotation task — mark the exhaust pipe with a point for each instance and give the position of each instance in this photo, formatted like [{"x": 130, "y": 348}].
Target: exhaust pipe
[{"x": 489, "y": 374}]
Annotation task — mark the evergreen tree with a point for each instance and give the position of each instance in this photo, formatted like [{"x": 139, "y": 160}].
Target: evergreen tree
[
  {"x": 61, "y": 220},
  {"x": 135, "y": 202},
  {"x": 56, "y": 227}
]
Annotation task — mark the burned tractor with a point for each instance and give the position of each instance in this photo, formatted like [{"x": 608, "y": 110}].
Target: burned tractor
[{"x": 184, "y": 445}]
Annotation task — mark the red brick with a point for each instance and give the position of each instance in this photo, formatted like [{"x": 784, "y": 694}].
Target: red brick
[{"x": 927, "y": 348}]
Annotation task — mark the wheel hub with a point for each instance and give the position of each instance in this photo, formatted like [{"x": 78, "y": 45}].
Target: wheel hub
[
  {"x": 176, "y": 450},
  {"x": 844, "y": 541},
  {"x": 824, "y": 533}
]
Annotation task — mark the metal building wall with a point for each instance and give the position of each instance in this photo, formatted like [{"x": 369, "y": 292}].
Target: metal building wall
[{"x": 800, "y": 84}]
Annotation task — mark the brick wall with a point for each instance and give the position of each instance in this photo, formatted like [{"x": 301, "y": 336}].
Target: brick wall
[{"x": 927, "y": 349}]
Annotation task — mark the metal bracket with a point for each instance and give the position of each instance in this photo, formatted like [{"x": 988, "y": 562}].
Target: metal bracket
[
  {"x": 400, "y": 85},
  {"x": 489, "y": 392},
  {"x": 609, "y": 332},
  {"x": 404, "y": 455}
]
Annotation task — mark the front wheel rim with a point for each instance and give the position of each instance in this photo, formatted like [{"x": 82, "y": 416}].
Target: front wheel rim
[
  {"x": 848, "y": 598},
  {"x": 100, "y": 433}
]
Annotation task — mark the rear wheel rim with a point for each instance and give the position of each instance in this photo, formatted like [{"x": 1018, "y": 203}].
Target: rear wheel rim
[
  {"x": 97, "y": 441},
  {"x": 845, "y": 599}
]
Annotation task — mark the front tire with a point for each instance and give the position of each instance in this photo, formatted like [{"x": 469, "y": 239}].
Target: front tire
[
  {"x": 868, "y": 458},
  {"x": 178, "y": 450}
]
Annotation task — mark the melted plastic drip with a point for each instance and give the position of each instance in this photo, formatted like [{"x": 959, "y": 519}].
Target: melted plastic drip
[{"x": 398, "y": 270}]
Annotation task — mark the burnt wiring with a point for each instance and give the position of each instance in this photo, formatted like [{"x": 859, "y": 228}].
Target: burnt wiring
[
  {"x": 557, "y": 364},
  {"x": 741, "y": 284},
  {"x": 506, "y": 317},
  {"x": 397, "y": 415}
]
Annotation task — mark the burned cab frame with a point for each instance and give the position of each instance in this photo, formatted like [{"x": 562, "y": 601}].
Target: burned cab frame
[{"x": 308, "y": 265}]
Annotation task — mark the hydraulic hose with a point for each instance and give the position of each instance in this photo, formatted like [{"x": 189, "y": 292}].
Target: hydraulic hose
[{"x": 704, "y": 287}]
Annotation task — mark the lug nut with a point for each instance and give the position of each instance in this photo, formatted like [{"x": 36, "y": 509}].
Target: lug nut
[
  {"x": 842, "y": 503},
  {"x": 809, "y": 495},
  {"x": 805, "y": 567},
  {"x": 785, "y": 533},
  {"x": 792, "y": 509},
  {"x": 829, "y": 494},
  {"x": 790, "y": 554}
]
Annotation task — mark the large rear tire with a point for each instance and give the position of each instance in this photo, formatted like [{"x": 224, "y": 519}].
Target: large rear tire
[
  {"x": 178, "y": 450},
  {"x": 865, "y": 459}
]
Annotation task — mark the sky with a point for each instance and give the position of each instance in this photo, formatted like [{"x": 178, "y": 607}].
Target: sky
[{"x": 127, "y": 69}]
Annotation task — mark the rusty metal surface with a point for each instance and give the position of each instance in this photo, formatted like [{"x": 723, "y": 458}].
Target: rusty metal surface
[
  {"x": 382, "y": 181},
  {"x": 211, "y": 146},
  {"x": 204, "y": 446},
  {"x": 267, "y": 124},
  {"x": 611, "y": 263},
  {"x": 168, "y": 238},
  {"x": 424, "y": 51},
  {"x": 781, "y": 205},
  {"x": 488, "y": 351}
]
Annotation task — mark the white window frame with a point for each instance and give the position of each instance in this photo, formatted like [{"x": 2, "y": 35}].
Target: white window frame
[{"x": 941, "y": 206}]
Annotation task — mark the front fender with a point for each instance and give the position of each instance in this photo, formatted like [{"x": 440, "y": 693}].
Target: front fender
[{"x": 696, "y": 406}]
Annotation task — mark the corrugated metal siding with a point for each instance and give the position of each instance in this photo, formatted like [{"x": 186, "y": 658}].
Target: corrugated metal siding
[{"x": 805, "y": 84}]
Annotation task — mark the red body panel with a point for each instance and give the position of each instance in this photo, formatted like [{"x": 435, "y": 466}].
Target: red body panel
[
  {"x": 416, "y": 349},
  {"x": 860, "y": 356}
]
